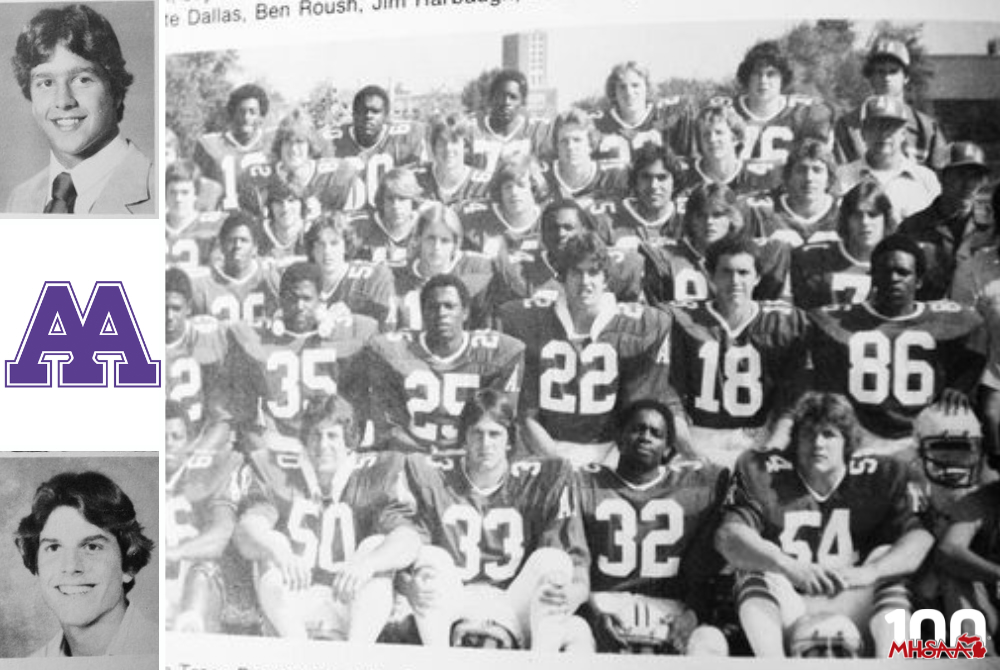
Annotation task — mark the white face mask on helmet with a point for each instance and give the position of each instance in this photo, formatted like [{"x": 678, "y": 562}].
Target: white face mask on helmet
[
  {"x": 950, "y": 446},
  {"x": 825, "y": 636}
]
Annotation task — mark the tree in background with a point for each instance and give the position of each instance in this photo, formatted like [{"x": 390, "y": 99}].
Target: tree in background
[
  {"x": 920, "y": 70},
  {"x": 196, "y": 94},
  {"x": 476, "y": 93}
]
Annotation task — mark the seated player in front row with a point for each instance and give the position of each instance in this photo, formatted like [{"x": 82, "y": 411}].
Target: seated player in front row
[
  {"x": 818, "y": 530},
  {"x": 510, "y": 531},
  {"x": 649, "y": 524}
]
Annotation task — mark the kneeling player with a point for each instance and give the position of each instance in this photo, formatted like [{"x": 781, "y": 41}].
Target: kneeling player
[
  {"x": 310, "y": 524},
  {"x": 202, "y": 493},
  {"x": 505, "y": 526},
  {"x": 649, "y": 524},
  {"x": 817, "y": 531}
]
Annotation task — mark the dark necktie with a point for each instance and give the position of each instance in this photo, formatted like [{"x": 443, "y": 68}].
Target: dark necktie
[{"x": 63, "y": 195}]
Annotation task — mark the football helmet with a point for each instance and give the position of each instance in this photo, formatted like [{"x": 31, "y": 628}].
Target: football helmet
[
  {"x": 488, "y": 622},
  {"x": 825, "y": 635},
  {"x": 950, "y": 446}
]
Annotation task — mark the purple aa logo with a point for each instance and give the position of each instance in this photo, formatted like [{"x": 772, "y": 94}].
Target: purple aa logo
[{"x": 82, "y": 343}]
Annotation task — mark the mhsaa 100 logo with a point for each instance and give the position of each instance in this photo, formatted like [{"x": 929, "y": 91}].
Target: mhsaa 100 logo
[{"x": 963, "y": 645}]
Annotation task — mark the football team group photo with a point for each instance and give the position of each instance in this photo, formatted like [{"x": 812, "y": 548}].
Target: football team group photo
[{"x": 613, "y": 358}]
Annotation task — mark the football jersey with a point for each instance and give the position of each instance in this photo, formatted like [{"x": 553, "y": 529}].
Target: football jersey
[
  {"x": 324, "y": 524},
  {"x": 227, "y": 161},
  {"x": 629, "y": 228},
  {"x": 419, "y": 395},
  {"x": 736, "y": 378},
  {"x": 891, "y": 368},
  {"x": 824, "y": 273},
  {"x": 606, "y": 183},
  {"x": 205, "y": 480},
  {"x": 768, "y": 215},
  {"x": 639, "y": 536},
  {"x": 194, "y": 362},
  {"x": 475, "y": 271},
  {"x": 527, "y": 273},
  {"x": 474, "y": 186},
  {"x": 333, "y": 184},
  {"x": 875, "y": 504},
  {"x": 251, "y": 299},
  {"x": 982, "y": 506},
  {"x": 372, "y": 242},
  {"x": 576, "y": 382},
  {"x": 282, "y": 372},
  {"x": 400, "y": 144},
  {"x": 490, "y": 535},
  {"x": 528, "y": 136},
  {"x": 675, "y": 271},
  {"x": 768, "y": 140},
  {"x": 190, "y": 247},
  {"x": 366, "y": 288},
  {"x": 490, "y": 233},
  {"x": 666, "y": 122},
  {"x": 742, "y": 182}
]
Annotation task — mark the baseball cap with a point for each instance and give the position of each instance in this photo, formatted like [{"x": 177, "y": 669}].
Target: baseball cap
[
  {"x": 886, "y": 47},
  {"x": 884, "y": 107},
  {"x": 966, "y": 153}
]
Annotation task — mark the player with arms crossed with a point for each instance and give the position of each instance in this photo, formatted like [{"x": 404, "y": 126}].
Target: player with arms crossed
[
  {"x": 586, "y": 355},
  {"x": 373, "y": 145},
  {"x": 893, "y": 355},
  {"x": 649, "y": 524},
  {"x": 512, "y": 534},
  {"x": 837, "y": 271},
  {"x": 203, "y": 490},
  {"x": 226, "y": 156},
  {"x": 419, "y": 380},
  {"x": 634, "y": 117},
  {"x": 505, "y": 130},
  {"x": 310, "y": 522},
  {"x": 816, "y": 530},
  {"x": 243, "y": 287},
  {"x": 274, "y": 370},
  {"x": 735, "y": 360}
]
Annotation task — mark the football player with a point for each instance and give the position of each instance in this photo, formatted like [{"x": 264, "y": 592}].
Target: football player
[
  {"x": 735, "y": 361},
  {"x": 894, "y": 355},
  {"x": 507, "y": 525},
  {"x": 437, "y": 246},
  {"x": 359, "y": 287},
  {"x": 299, "y": 172},
  {"x": 203, "y": 490},
  {"x": 648, "y": 213},
  {"x": 505, "y": 130},
  {"x": 649, "y": 524},
  {"x": 803, "y": 209},
  {"x": 575, "y": 174},
  {"x": 910, "y": 187},
  {"x": 634, "y": 117},
  {"x": 949, "y": 230},
  {"x": 226, "y": 156},
  {"x": 190, "y": 232},
  {"x": 586, "y": 355},
  {"x": 419, "y": 379},
  {"x": 310, "y": 523},
  {"x": 837, "y": 271},
  {"x": 274, "y": 370},
  {"x": 675, "y": 269},
  {"x": 242, "y": 287},
  {"x": 209, "y": 191},
  {"x": 448, "y": 179},
  {"x": 509, "y": 220},
  {"x": 196, "y": 348},
  {"x": 775, "y": 121},
  {"x": 816, "y": 528},
  {"x": 373, "y": 144},
  {"x": 383, "y": 233},
  {"x": 721, "y": 134},
  {"x": 530, "y": 271},
  {"x": 887, "y": 71}
]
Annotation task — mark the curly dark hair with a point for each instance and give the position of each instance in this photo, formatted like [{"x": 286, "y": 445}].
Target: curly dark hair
[
  {"x": 101, "y": 502},
  {"x": 81, "y": 30}
]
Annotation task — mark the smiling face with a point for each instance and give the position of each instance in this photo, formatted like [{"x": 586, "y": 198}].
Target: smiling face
[
  {"x": 630, "y": 93},
  {"x": 654, "y": 186},
  {"x": 72, "y": 103},
  {"x": 80, "y": 569},
  {"x": 247, "y": 119}
]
